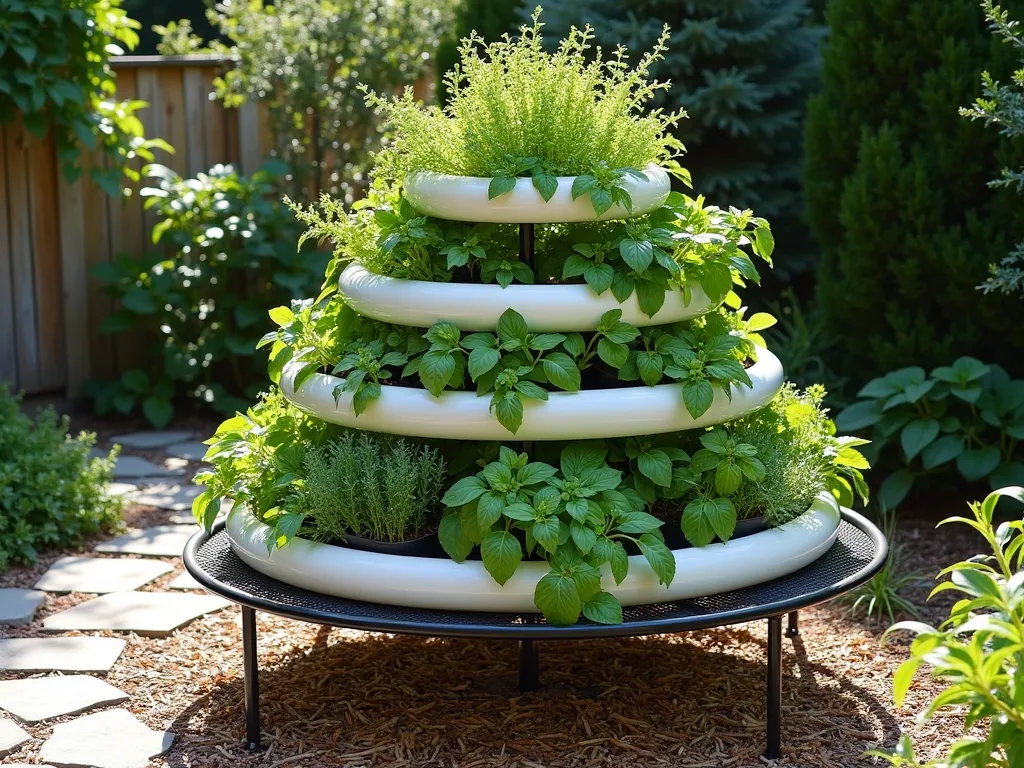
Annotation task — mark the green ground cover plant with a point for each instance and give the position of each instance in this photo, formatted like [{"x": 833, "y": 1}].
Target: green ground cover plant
[
  {"x": 967, "y": 416},
  {"x": 502, "y": 120},
  {"x": 223, "y": 255},
  {"x": 977, "y": 654},
  {"x": 52, "y": 493}
]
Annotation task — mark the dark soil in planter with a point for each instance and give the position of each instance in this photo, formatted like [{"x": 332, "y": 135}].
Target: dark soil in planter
[
  {"x": 427, "y": 545},
  {"x": 602, "y": 376}
]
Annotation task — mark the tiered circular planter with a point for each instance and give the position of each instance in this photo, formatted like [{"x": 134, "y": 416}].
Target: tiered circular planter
[{"x": 438, "y": 583}]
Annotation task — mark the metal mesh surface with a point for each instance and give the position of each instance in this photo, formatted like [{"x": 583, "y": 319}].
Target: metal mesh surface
[{"x": 850, "y": 561}]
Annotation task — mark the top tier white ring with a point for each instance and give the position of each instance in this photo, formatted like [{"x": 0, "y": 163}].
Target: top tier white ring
[{"x": 464, "y": 198}]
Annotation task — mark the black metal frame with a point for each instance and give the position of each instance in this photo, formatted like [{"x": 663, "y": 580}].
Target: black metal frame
[{"x": 527, "y": 634}]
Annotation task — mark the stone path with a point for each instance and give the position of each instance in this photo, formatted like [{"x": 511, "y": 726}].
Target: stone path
[{"x": 108, "y": 738}]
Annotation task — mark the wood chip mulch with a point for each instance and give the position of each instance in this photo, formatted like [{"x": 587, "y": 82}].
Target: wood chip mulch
[{"x": 334, "y": 697}]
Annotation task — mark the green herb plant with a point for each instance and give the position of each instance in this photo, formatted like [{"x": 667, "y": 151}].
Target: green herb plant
[
  {"x": 977, "y": 654},
  {"x": 575, "y": 516},
  {"x": 371, "y": 486},
  {"x": 52, "y": 492},
  {"x": 968, "y": 416},
  {"x": 502, "y": 120}
]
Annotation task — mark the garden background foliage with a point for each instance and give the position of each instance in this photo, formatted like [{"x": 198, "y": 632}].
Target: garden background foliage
[
  {"x": 897, "y": 187},
  {"x": 743, "y": 71}
]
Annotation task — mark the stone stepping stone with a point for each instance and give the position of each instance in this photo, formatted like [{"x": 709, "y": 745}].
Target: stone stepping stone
[
  {"x": 175, "y": 497},
  {"x": 185, "y": 581},
  {"x": 110, "y": 739},
  {"x": 153, "y": 614},
  {"x": 191, "y": 451},
  {"x": 100, "y": 574},
  {"x": 186, "y": 518},
  {"x": 149, "y": 441},
  {"x": 120, "y": 489},
  {"x": 134, "y": 467},
  {"x": 40, "y": 698},
  {"x": 19, "y": 606},
  {"x": 67, "y": 654},
  {"x": 159, "y": 541},
  {"x": 12, "y": 736}
]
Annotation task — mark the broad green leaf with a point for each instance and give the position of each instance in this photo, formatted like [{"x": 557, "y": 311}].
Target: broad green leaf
[
  {"x": 558, "y": 599},
  {"x": 436, "y": 369},
  {"x": 158, "y": 411},
  {"x": 698, "y": 397},
  {"x": 546, "y": 533},
  {"x": 612, "y": 353},
  {"x": 650, "y": 365},
  {"x": 659, "y": 557},
  {"x": 464, "y": 491},
  {"x": 453, "y": 540},
  {"x": 638, "y": 254},
  {"x": 619, "y": 563},
  {"x": 364, "y": 397},
  {"x": 509, "y": 410},
  {"x": 546, "y": 184},
  {"x": 601, "y": 200},
  {"x": 943, "y": 450},
  {"x": 650, "y": 296},
  {"x": 895, "y": 489},
  {"x": 583, "y": 536},
  {"x": 481, "y": 360},
  {"x": 579, "y": 457},
  {"x": 657, "y": 466},
  {"x": 859, "y": 416},
  {"x": 917, "y": 435},
  {"x": 728, "y": 477},
  {"x": 500, "y": 185},
  {"x": 489, "y": 508},
  {"x": 512, "y": 326},
  {"x": 976, "y": 463},
  {"x": 603, "y": 608},
  {"x": 562, "y": 371},
  {"x": 501, "y": 553}
]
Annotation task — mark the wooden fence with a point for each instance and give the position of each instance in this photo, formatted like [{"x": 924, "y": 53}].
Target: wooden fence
[{"x": 52, "y": 232}]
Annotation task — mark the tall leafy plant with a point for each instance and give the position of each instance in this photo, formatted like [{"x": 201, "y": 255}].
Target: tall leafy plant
[
  {"x": 742, "y": 71},
  {"x": 302, "y": 59},
  {"x": 897, "y": 188},
  {"x": 55, "y": 72}
]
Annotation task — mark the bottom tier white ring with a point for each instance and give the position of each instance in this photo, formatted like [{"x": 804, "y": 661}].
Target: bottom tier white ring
[{"x": 439, "y": 583}]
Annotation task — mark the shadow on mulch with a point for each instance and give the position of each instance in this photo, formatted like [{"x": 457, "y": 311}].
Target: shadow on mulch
[{"x": 395, "y": 700}]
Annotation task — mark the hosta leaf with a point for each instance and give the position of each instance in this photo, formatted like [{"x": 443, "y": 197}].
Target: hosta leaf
[
  {"x": 943, "y": 450},
  {"x": 558, "y": 599},
  {"x": 501, "y": 553},
  {"x": 977, "y": 463}
]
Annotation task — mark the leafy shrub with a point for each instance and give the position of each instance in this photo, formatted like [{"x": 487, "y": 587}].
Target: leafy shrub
[
  {"x": 370, "y": 486},
  {"x": 743, "y": 71},
  {"x": 967, "y": 415},
  {"x": 52, "y": 494},
  {"x": 54, "y": 70},
  {"x": 303, "y": 59},
  {"x": 515, "y": 108},
  {"x": 896, "y": 188},
  {"x": 797, "y": 443},
  {"x": 975, "y": 655},
  {"x": 226, "y": 255},
  {"x": 1002, "y": 105}
]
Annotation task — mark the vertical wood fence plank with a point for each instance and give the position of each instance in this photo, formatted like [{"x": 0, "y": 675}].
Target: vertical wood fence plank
[
  {"x": 75, "y": 278},
  {"x": 26, "y": 340},
  {"x": 96, "y": 250},
  {"x": 49, "y": 290},
  {"x": 171, "y": 89},
  {"x": 197, "y": 107},
  {"x": 216, "y": 139},
  {"x": 250, "y": 155},
  {"x": 8, "y": 353}
]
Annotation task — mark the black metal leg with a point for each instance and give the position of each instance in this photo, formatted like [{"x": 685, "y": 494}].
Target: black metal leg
[
  {"x": 793, "y": 627},
  {"x": 529, "y": 666},
  {"x": 251, "y": 679},
  {"x": 774, "y": 751}
]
